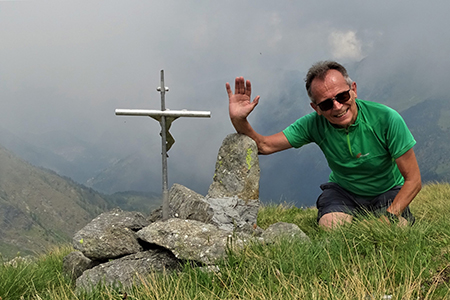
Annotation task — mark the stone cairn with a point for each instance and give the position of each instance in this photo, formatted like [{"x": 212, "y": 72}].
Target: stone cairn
[{"x": 119, "y": 247}]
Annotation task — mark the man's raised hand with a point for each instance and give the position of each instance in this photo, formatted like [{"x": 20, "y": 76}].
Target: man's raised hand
[{"x": 240, "y": 104}]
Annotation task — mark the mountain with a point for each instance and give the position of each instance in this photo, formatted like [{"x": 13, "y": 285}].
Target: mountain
[
  {"x": 59, "y": 151},
  {"x": 131, "y": 173},
  {"x": 106, "y": 171},
  {"x": 429, "y": 122},
  {"x": 143, "y": 202},
  {"x": 419, "y": 92},
  {"x": 38, "y": 208}
]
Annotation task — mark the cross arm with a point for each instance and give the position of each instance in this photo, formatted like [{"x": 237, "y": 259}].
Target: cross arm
[{"x": 165, "y": 113}]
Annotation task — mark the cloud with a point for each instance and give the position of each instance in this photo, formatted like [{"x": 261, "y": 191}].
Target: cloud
[{"x": 345, "y": 45}]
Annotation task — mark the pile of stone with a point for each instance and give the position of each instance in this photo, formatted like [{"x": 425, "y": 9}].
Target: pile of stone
[{"x": 120, "y": 247}]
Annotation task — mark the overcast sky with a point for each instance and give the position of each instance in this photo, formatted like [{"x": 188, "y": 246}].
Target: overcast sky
[{"x": 67, "y": 65}]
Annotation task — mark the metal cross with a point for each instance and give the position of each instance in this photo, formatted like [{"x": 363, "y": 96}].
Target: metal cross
[{"x": 165, "y": 117}]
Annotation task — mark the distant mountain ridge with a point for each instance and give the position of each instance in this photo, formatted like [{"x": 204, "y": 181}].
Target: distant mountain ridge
[
  {"x": 131, "y": 173},
  {"x": 58, "y": 151},
  {"x": 38, "y": 208},
  {"x": 105, "y": 171},
  {"x": 429, "y": 122}
]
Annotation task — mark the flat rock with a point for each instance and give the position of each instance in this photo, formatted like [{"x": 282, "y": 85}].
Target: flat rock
[
  {"x": 283, "y": 230},
  {"x": 192, "y": 240},
  {"x": 186, "y": 204},
  {"x": 110, "y": 235},
  {"x": 232, "y": 213},
  {"x": 127, "y": 271},
  {"x": 75, "y": 263}
]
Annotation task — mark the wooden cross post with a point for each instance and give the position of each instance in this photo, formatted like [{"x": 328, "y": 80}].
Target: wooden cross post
[{"x": 165, "y": 117}]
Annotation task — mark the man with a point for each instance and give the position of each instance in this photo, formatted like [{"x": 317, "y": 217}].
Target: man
[{"x": 367, "y": 145}]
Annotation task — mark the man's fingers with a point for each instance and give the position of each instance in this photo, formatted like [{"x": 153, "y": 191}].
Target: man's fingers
[
  {"x": 239, "y": 85},
  {"x": 228, "y": 87},
  {"x": 255, "y": 101},
  {"x": 236, "y": 86},
  {"x": 248, "y": 88},
  {"x": 402, "y": 222}
]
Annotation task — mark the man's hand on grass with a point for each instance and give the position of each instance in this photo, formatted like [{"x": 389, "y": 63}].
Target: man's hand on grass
[{"x": 399, "y": 221}]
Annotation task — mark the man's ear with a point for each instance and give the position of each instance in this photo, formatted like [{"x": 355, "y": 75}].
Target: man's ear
[
  {"x": 316, "y": 108},
  {"x": 354, "y": 89}
]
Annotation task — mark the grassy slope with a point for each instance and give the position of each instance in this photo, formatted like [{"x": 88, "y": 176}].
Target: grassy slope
[
  {"x": 38, "y": 208},
  {"x": 365, "y": 260}
]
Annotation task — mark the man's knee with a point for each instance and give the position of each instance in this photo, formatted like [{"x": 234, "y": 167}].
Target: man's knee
[{"x": 334, "y": 219}]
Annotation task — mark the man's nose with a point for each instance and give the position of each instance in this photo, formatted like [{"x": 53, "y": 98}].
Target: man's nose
[{"x": 337, "y": 104}]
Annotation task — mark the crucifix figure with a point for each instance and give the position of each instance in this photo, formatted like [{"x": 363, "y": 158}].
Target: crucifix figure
[{"x": 165, "y": 117}]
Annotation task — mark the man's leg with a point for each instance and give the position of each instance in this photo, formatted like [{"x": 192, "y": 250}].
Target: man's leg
[
  {"x": 334, "y": 219},
  {"x": 334, "y": 205}
]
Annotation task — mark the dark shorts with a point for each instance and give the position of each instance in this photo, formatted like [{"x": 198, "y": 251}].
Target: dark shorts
[{"x": 334, "y": 198}]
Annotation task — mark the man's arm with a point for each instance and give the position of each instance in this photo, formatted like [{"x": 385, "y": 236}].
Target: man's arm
[
  {"x": 407, "y": 164},
  {"x": 240, "y": 106}
]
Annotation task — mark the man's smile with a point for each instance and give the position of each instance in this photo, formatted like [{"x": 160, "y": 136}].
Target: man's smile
[{"x": 342, "y": 114}]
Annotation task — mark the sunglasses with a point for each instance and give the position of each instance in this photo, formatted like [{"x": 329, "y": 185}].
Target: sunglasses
[{"x": 329, "y": 103}]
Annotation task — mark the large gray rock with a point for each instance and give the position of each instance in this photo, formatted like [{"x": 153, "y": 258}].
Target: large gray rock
[
  {"x": 192, "y": 240},
  {"x": 283, "y": 230},
  {"x": 128, "y": 270},
  {"x": 232, "y": 213},
  {"x": 227, "y": 213},
  {"x": 110, "y": 235},
  {"x": 189, "y": 205},
  {"x": 75, "y": 263},
  {"x": 186, "y": 204},
  {"x": 237, "y": 169}
]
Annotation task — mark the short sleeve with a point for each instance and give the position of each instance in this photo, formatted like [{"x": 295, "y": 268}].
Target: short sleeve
[
  {"x": 399, "y": 137},
  {"x": 299, "y": 133}
]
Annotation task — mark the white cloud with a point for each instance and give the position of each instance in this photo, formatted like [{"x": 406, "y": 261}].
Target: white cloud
[
  {"x": 345, "y": 45},
  {"x": 275, "y": 26}
]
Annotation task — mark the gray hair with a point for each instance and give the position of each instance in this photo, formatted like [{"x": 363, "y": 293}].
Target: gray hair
[{"x": 320, "y": 69}]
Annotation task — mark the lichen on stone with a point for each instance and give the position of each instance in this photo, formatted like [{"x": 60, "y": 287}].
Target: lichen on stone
[{"x": 248, "y": 159}]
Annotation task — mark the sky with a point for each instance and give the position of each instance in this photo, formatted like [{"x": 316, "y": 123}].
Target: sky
[{"x": 67, "y": 65}]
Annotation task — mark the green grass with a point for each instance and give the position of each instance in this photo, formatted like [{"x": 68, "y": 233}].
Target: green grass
[{"x": 363, "y": 260}]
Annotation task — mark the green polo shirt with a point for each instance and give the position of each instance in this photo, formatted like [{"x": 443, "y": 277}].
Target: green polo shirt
[{"x": 361, "y": 157}]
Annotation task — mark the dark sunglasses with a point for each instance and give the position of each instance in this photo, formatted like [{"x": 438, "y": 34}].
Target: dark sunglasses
[{"x": 329, "y": 103}]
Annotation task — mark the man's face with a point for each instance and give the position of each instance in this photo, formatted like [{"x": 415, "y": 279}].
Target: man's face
[{"x": 341, "y": 114}]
